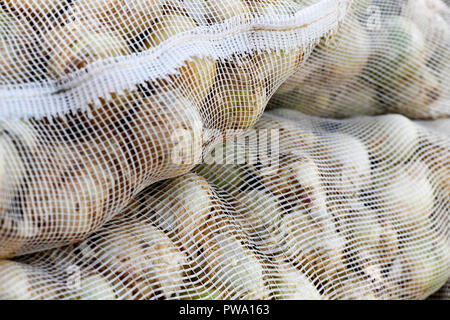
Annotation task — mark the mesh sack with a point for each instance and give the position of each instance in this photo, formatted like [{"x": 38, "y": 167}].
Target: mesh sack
[
  {"x": 99, "y": 98},
  {"x": 389, "y": 56},
  {"x": 333, "y": 209}
]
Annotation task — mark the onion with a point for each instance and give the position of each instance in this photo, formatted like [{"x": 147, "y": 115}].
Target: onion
[
  {"x": 407, "y": 194},
  {"x": 390, "y": 139},
  {"x": 292, "y": 284},
  {"x": 22, "y": 282},
  {"x": 233, "y": 268},
  {"x": 209, "y": 12},
  {"x": 149, "y": 258},
  {"x": 237, "y": 99},
  {"x": 129, "y": 19},
  {"x": 348, "y": 159}
]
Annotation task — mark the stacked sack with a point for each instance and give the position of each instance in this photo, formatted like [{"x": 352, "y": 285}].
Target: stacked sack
[
  {"x": 99, "y": 99},
  {"x": 390, "y": 56},
  {"x": 335, "y": 209}
]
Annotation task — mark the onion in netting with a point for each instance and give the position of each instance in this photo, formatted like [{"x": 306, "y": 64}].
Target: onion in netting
[
  {"x": 19, "y": 143},
  {"x": 75, "y": 46},
  {"x": 208, "y": 235},
  {"x": 307, "y": 233},
  {"x": 316, "y": 249},
  {"x": 350, "y": 171},
  {"x": 370, "y": 243},
  {"x": 432, "y": 16},
  {"x": 271, "y": 67},
  {"x": 292, "y": 135},
  {"x": 166, "y": 133},
  {"x": 236, "y": 99},
  {"x": 292, "y": 284},
  {"x": 275, "y": 7},
  {"x": 152, "y": 263},
  {"x": 401, "y": 49},
  {"x": 259, "y": 213},
  {"x": 92, "y": 286},
  {"x": 438, "y": 162},
  {"x": 192, "y": 199},
  {"x": 17, "y": 49},
  {"x": 354, "y": 98},
  {"x": 390, "y": 139},
  {"x": 296, "y": 179},
  {"x": 259, "y": 210},
  {"x": 419, "y": 265},
  {"x": 408, "y": 192},
  {"x": 129, "y": 18},
  {"x": 337, "y": 59},
  {"x": 233, "y": 268},
  {"x": 420, "y": 95},
  {"x": 70, "y": 194},
  {"x": 195, "y": 78},
  {"x": 12, "y": 169}
]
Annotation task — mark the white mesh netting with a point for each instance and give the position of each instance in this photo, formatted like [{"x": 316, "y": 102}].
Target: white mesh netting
[
  {"x": 354, "y": 209},
  {"x": 136, "y": 161},
  {"x": 390, "y": 56},
  {"x": 443, "y": 293},
  {"x": 96, "y": 97}
]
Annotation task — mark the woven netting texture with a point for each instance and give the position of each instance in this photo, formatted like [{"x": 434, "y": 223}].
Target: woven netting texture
[
  {"x": 301, "y": 208},
  {"x": 390, "y": 56},
  {"x": 101, "y": 98}
]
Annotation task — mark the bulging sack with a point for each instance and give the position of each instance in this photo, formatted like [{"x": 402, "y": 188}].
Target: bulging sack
[
  {"x": 99, "y": 99},
  {"x": 301, "y": 208},
  {"x": 388, "y": 57}
]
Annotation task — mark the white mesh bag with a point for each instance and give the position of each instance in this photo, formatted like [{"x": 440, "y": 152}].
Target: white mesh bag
[
  {"x": 332, "y": 209},
  {"x": 98, "y": 98},
  {"x": 389, "y": 56}
]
